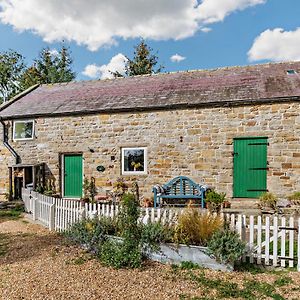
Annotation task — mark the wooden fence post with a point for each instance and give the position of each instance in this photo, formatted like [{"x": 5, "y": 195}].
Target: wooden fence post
[
  {"x": 283, "y": 252},
  {"x": 82, "y": 214},
  {"x": 52, "y": 217},
  {"x": 267, "y": 245},
  {"x": 291, "y": 242},
  {"x": 251, "y": 239},
  {"x": 275, "y": 240},
  {"x": 34, "y": 209},
  {"x": 239, "y": 226},
  {"x": 259, "y": 239}
]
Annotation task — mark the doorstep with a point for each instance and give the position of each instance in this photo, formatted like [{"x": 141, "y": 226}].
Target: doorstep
[{"x": 242, "y": 211}]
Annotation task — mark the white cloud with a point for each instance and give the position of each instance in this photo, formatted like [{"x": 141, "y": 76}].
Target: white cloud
[
  {"x": 205, "y": 29},
  {"x": 97, "y": 23},
  {"x": 54, "y": 52},
  {"x": 92, "y": 71},
  {"x": 276, "y": 45},
  {"x": 212, "y": 11},
  {"x": 177, "y": 58},
  {"x": 116, "y": 64}
]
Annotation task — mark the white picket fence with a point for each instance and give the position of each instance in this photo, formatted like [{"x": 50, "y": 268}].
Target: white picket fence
[{"x": 271, "y": 240}]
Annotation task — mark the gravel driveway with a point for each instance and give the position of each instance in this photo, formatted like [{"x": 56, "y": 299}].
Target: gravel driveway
[{"x": 38, "y": 265}]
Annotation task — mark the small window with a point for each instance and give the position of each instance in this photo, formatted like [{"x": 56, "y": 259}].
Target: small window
[
  {"x": 23, "y": 130},
  {"x": 134, "y": 161}
]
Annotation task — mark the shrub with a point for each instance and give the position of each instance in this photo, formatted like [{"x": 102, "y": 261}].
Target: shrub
[
  {"x": 268, "y": 200},
  {"x": 153, "y": 234},
  {"x": 128, "y": 217},
  {"x": 91, "y": 232},
  {"x": 135, "y": 240},
  {"x": 215, "y": 200},
  {"x": 119, "y": 255},
  {"x": 295, "y": 198},
  {"x": 128, "y": 251},
  {"x": 89, "y": 190},
  {"x": 196, "y": 227},
  {"x": 226, "y": 246}
]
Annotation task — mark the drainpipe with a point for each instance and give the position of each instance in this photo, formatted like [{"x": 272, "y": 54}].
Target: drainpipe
[
  {"x": 7, "y": 145},
  {"x": 14, "y": 153}
]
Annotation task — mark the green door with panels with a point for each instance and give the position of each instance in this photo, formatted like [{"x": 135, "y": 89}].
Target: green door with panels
[
  {"x": 73, "y": 176},
  {"x": 250, "y": 167}
]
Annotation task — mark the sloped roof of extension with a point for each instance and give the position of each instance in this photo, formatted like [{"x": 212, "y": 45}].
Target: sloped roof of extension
[{"x": 218, "y": 87}]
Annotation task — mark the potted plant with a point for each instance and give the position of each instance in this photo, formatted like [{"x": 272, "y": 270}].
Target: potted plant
[
  {"x": 226, "y": 204},
  {"x": 294, "y": 198},
  {"x": 268, "y": 202},
  {"x": 215, "y": 200},
  {"x": 148, "y": 202}
]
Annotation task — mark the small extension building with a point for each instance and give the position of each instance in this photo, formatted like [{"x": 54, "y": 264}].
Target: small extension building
[{"x": 236, "y": 129}]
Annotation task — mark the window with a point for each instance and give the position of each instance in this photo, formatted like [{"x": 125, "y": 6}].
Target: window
[
  {"x": 134, "y": 161},
  {"x": 23, "y": 130},
  {"x": 291, "y": 72}
]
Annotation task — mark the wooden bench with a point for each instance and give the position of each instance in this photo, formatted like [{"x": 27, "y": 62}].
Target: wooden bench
[{"x": 180, "y": 187}]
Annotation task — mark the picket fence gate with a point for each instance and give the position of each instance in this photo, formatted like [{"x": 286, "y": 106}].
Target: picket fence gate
[{"x": 270, "y": 240}]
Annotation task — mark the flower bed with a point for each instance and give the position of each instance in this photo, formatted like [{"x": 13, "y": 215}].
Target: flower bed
[
  {"x": 124, "y": 242},
  {"x": 170, "y": 253}
]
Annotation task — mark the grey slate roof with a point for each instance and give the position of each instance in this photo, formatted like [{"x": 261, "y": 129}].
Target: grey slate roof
[{"x": 224, "y": 86}]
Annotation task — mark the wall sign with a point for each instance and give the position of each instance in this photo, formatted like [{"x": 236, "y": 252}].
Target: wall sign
[{"x": 100, "y": 168}]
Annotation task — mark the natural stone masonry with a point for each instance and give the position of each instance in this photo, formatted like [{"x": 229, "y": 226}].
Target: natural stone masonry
[{"x": 194, "y": 142}]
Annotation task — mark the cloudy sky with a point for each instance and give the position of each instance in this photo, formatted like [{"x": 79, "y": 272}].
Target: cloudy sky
[{"x": 188, "y": 34}]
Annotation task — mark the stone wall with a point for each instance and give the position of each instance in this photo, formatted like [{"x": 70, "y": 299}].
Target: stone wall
[{"x": 193, "y": 142}]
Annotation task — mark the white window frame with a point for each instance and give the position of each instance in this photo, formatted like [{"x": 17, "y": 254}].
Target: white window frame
[
  {"x": 23, "y": 121},
  {"x": 123, "y": 172}
]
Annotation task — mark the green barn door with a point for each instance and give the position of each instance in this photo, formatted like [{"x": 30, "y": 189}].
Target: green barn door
[
  {"x": 250, "y": 167},
  {"x": 73, "y": 176}
]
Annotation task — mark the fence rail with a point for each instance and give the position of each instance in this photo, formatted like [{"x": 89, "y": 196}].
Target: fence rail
[{"x": 270, "y": 240}]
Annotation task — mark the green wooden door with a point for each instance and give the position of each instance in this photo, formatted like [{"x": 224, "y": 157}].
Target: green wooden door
[
  {"x": 250, "y": 167},
  {"x": 73, "y": 176}
]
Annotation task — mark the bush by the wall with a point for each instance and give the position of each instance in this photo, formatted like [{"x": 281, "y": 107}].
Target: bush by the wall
[
  {"x": 153, "y": 234},
  {"x": 128, "y": 251},
  {"x": 294, "y": 198},
  {"x": 119, "y": 254},
  {"x": 268, "y": 200},
  {"x": 91, "y": 232},
  {"x": 215, "y": 200},
  {"x": 195, "y": 227},
  {"x": 226, "y": 246}
]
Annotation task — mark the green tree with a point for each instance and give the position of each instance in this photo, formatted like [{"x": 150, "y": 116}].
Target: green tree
[
  {"x": 143, "y": 62},
  {"x": 49, "y": 68},
  {"x": 11, "y": 70}
]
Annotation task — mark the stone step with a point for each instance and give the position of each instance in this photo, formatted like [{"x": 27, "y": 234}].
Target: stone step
[
  {"x": 243, "y": 211},
  {"x": 249, "y": 203}
]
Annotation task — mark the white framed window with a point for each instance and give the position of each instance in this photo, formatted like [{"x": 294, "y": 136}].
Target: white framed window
[
  {"x": 23, "y": 130},
  {"x": 134, "y": 161}
]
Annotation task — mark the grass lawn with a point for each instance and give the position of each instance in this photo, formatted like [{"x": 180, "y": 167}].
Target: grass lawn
[
  {"x": 11, "y": 214},
  {"x": 244, "y": 286}
]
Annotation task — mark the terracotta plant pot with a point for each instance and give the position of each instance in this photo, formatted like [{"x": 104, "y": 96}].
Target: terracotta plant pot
[{"x": 226, "y": 204}]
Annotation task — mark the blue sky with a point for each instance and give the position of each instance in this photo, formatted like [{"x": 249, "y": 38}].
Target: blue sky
[{"x": 217, "y": 36}]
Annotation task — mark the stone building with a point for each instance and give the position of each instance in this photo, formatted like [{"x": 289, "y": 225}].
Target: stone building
[{"x": 236, "y": 128}]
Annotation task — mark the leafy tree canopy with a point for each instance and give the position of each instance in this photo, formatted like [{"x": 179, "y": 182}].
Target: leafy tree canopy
[
  {"x": 49, "y": 67},
  {"x": 11, "y": 70},
  {"x": 143, "y": 62}
]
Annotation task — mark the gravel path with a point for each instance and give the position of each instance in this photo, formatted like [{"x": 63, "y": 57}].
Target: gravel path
[{"x": 39, "y": 265}]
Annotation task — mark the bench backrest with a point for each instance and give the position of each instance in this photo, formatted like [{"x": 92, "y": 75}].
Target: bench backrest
[{"x": 182, "y": 185}]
